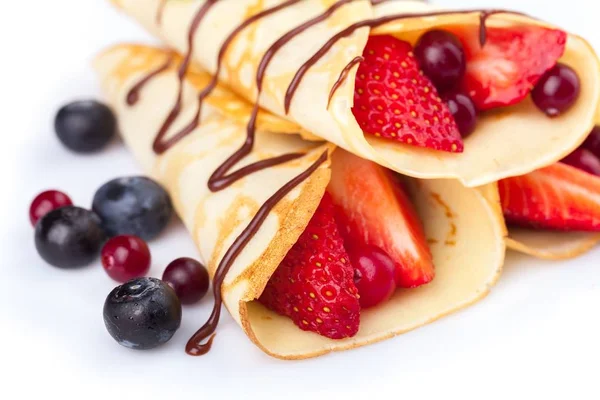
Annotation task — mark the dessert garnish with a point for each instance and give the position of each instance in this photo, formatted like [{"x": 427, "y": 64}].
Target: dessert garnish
[
  {"x": 557, "y": 197},
  {"x": 126, "y": 257},
  {"x": 69, "y": 237},
  {"x": 374, "y": 210},
  {"x": 46, "y": 202},
  {"x": 442, "y": 59},
  {"x": 142, "y": 314},
  {"x": 504, "y": 70},
  {"x": 584, "y": 160},
  {"x": 592, "y": 142},
  {"x": 374, "y": 274},
  {"x": 188, "y": 278},
  {"x": 85, "y": 126},
  {"x": 314, "y": 284},
  {"x": 463, "y": 111},
  {"x": 557, "y": 90},
  {"x": 393, "y": 100},
  {"x": 133, "y": 206}
]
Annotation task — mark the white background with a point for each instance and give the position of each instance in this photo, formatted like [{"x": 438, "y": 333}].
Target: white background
[{"x": 536, "y": 336}]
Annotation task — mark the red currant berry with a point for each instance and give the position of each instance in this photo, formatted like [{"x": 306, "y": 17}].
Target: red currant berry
[
  {"x": 374, "y": 275},
  {"x": 188, "y": 278},
  {"x": 442, "y": 58},
  {"x": 463, "y": 110},
  {"x": 557, "y": 90},
  {"x": 46, "y": 202},
  {"x": 585, "y": 160},
  {"x": 592, "y": 143},
  {"x": 125, "y": 258}
]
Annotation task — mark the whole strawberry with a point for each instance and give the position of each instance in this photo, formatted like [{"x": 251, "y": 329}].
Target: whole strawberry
[
  {"x": 314, "y": 284},
  {"x": 394, "y": 100}
]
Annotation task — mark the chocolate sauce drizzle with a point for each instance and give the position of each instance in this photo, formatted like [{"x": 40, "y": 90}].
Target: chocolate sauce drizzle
[
  {"x": 195, "y": 347},
  {"x": 221, "y": 178},
  {"x": 343, "y": 76},
  {"x": 160, "y": 146},
  {"x": 134, "y": 93}
]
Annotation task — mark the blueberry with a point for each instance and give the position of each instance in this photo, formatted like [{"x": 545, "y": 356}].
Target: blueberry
[
  {"x": 142, "y": 314},
  {"x": 69, "y": 237},
  {"x": 133, "y": 206},
  {"x": 85, "y": 126}
]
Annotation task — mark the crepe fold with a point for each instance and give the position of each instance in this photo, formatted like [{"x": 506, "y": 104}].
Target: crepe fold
[
  {"x": 464, "y": 226},
  {"x": 508, "y": 142}
]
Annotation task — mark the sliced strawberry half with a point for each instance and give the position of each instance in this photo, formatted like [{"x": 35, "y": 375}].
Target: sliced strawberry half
[
  {"x": 557, "y": 197},
  {"x": 374, "y": 210},
  {"x": 314, "y": 284},
  {"x": 505, "y": 70},
  {"x": 394, "y": 100}
]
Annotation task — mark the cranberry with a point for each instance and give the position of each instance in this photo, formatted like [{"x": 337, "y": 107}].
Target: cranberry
[
  {"x": 585, "y": 160},
  {"x": 188, "y": 278},
  {"x": 463, "y": 110},
  {"x": 442, "y": 58},
  {"x": 557, "y": 90},
  {"x": 125, "y": 258},
  {"x": 374, "y": 274},
  {"x": 592, "y": 143},
  {"x": 46, "y": 202}
]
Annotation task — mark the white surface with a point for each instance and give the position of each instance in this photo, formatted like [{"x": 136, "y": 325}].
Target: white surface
[{"x": 536, "y": 335}]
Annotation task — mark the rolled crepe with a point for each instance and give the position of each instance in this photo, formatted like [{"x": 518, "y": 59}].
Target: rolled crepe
[
  {"x": 507, "y": 142},
  {"x": 464, "y": 226}
]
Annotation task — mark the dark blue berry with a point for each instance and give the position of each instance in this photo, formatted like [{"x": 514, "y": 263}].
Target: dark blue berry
[
  {"x": 133, "y": 206},
  {"x": 142, "y": 314},
  {"x": 85, "y": 126},
  {"x": 69, "y": 237}
]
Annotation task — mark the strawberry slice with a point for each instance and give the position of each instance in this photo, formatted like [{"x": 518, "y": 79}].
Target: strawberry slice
[
  {"x": 557, "y": 197},
  {"x": 314, "y": 284},
  {"x": 374, "y": 210},
  {"x": 394, "y": 100},
  {"x": 512, "y": 61}
]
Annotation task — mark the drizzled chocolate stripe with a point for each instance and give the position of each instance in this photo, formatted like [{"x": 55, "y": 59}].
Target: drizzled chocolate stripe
[
  {"x": 343, "y": 76},
  {"x": 373, "y": 23},
  {"x": 160, "y": 146},
  {"x": 195, "y": 347},
  {"x": 223, "y": 50},
  {"x": 220, "y": 178},
  {"x": 134, "y": 93}
]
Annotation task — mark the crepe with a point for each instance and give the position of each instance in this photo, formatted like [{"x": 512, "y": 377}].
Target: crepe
[
  {"x": 464, "y": 226},
  {"x": 507, "y": 142}
]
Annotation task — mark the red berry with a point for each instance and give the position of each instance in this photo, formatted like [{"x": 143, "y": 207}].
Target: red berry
[
  {"x": 557, "y": 90},
  {"x": 442, "y": 58},
  {"x": 314, "y": 283},
  {"x": 503, "y": 71},
  {"x": 188, "y": 278},
  {"x": 592, "y": 143},
  {"x": 395, "y": 101},
  {"x": 463, "y": 110},
  {"x": 125, "y": 258},
  {"x": 585, "y": 160},
  {"x": 46, "y": 202},
  {"x": 374, "y": 274}
]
